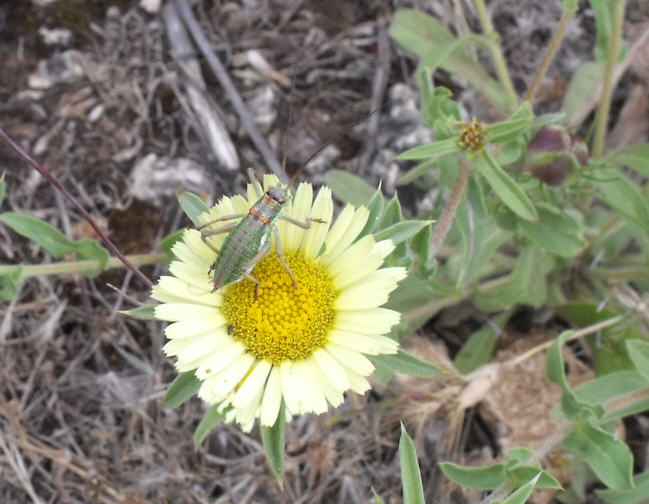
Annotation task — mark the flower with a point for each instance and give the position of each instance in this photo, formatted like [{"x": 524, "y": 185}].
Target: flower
[{"x": 304, "y": 343}]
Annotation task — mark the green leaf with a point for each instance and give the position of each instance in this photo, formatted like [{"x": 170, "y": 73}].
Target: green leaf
[
  {"x": 418, "y": 171},
  {"x": 9, "y": 283},
  {"x": 623, "y": 195},
  {"x": 210, "y": 420},
  {"x": 349, "y": 188},
  {"x": 604, "y": 13},
  {"x": 167, "y": 243},
  {"x": 392, "y": 214},
  {"x": 413, "y": 490},
  {"x": 555, "y": 231},
  {"x": 428, "y": 151},
  {"x": 2, "y": 188},
  {"x": 141, "y": 312},
  {"x": 478, "y": 478},
  {"x": 479, "y": 348},
  {"x": 523, "y": 474},
  {"x": 639, "y": 353},
  {"x": 637, "y": 495},
  {"x": 506, "y": 188},
  {"x": 420, "y": 245},
  {"x": 571, "y": 407},
  {"x": 527, "y": 282},
  {"x": 273, "y": 440},
  {"x": 519, "y": 454},
  {"x": 403, "y": 362},
  {"x": 480, "y": 236},
  {"x": 512, "y": 128},
  {"x": 55, "y": 242},
  {"x": 377, "y": 497},
  {"x": 521, "y": 495},
  {"x": 183, "y": 387},
  {"x": 583, "y": 85},
  {"x": 193, "y": 206},
  {"x": 610, "y": 458},
  {"x": 422, "y": 34},
  {"x": 375, "y": 206},
  {"x": 439, "y": 111},
  {"x": 636, "y": 157},
  {"x": 401, "y": 231}
]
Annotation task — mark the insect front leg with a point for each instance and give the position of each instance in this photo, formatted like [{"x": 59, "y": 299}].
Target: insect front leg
[
  {"x": 221, "y": 219},
  {"x": 211, "y": 232},
  {"x": 248, "y": 267},
  {"x": 280, "y": 254},
  {"x": 304, "y": 225}
]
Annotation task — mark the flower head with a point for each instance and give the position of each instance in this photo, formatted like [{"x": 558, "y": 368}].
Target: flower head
[{"x": 303, "y": 343}]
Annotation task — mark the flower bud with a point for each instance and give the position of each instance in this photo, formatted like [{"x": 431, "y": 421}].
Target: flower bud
[{"x": 553, "y": 153}]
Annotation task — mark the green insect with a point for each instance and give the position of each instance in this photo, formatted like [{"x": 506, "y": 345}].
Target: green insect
[{"x": 250, "y": 238}]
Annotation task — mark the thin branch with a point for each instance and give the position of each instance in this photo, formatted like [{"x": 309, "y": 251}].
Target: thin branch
[
  {"x": 224, "y": 79},
  {"x": 445, "y": 221},
  {"x": 607, "y": 90},
  {"x": 496, "y": 53},
  {"x": 55, "y": 182},
  {"x": 550, "y": 52}
]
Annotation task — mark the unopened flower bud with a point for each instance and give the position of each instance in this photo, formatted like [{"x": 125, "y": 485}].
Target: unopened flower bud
[{"x": 554, "y": 152}]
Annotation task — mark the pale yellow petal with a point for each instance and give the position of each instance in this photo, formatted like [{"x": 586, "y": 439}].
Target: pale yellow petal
[
  {"x": 239, "y": 204},
  {"x": 351, "y": 259},
  {"x": 217, "y": 361},
  {"x": 171, "y": 290},
  {"x": 314, "y": 238},
  {"x": 354, "y": 361},
  {"x": 338, "y": 240},
  {"x": 270, "y": 180},
  {"x": 334, "y": 396},
  {"x": 217, "y": 387},
  {"x": 316, "y": 401},
  {"x": 299, "y": 390},
  {"x": 173, "y": 312},
  {"x": 299, "y": 209},
  {"x": 272, "y": 399},
  {"x": 370, "y": 321},
  {"x": 339, "y": 227},
  {"x": 191, "y": 349},
  {"x": 369, "y": 345},
  {"x": 188, "y": 328},
  {"x": 359, "y": 384},
  {"x": 370, "y": 292},
  {"x": 330, "y": 368},
  {"x": 197, "y": 277},
  {"x": 193, "y": 249},
  {"x": 253, "y": 385}
]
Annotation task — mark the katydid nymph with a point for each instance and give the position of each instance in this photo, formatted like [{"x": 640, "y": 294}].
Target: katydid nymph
[{"x": 249, "y": 239}]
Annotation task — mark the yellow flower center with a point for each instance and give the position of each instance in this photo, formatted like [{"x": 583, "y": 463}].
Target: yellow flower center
[
  {"x": 472, "y": 136},
  {"x": 285, "y": 322}
]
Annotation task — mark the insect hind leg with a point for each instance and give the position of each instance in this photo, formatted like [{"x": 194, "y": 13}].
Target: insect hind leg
[
  {"x": 280, "y": 254},
  {"x": 303, "y": 224},
  {"x": 211, "y": 232}
]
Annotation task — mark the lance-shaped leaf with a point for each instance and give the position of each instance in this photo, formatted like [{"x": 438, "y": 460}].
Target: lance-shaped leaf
[
  {"x": 478, "y": 478},
  {"x": 609, "y": 458},
  {"x": 430, "y": 150},
  {"x": 555, "y": 231},
  {"x": 273, "y": 439},
  {"x": 403, "y": 362},
  {"x": 193, "y": 206},
  {"x": 413, "y": 490},
  {"x": 510, "y": 193},
  {"x": 183, "y": 387},
  {"x": 349, "y": 188},
  {"x": 210, "y": 420},
  {"x": 421, "y": 34},
  {"x": 511, "y": 128},
  {"x": 55, "y": 242}
]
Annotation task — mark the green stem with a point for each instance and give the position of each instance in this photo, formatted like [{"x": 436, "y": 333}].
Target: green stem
[
  {"x": 496, "y": 54},
  {"x": 551, "y": 51},
  {"x": 607, "y": 89},
  {"x": 79, "y": 266}
]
